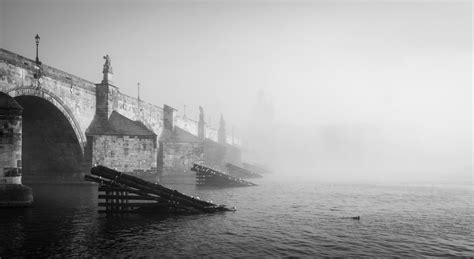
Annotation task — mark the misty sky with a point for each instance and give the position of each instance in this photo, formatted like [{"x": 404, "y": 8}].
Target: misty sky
[{"x": 364, "y": 78}]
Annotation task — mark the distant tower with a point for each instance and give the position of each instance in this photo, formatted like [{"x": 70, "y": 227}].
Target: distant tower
[
  {"x": 221, "y": 137},
  {"x": 201, "y": 124}
]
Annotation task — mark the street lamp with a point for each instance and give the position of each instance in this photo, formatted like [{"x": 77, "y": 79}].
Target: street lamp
[
  {"x": 39, "y": 72},
  {"x": 37, "y": 39}
]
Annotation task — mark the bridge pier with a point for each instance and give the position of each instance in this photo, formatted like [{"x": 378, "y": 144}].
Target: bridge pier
[{"x": 12, "y": 192}]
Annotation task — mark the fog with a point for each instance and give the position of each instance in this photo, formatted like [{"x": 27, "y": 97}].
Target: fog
[{"x": 324, "y": 90}]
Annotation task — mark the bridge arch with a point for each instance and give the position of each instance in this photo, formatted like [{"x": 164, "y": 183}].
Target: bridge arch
[
  {"x": 53, "y": 142},
  {"x": 56, "y": 101}
]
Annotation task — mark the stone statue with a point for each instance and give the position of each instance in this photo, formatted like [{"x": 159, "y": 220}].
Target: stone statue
[
  {"x": 221, "y": 135},
  {"x": 201, "y": 114},
  {"x": 107, "y": 65},
  {"x": 201, "y": 124}
]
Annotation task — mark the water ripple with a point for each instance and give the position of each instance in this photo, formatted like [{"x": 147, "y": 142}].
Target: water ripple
[{"x": 274, "y": 219}]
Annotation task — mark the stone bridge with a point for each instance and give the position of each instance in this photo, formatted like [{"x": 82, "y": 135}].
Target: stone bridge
[{"x": 70, "y": 123}]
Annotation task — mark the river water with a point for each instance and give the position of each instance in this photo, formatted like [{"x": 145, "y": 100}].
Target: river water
[{"x": 276, "y": 218}]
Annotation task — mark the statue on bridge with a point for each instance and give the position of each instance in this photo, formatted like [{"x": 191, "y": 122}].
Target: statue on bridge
[
  {"x": 201, "y": 114},
  {"x": 221, "y": 135},
  {"x": 107, "y": 65},
  {"x": 201, "y": 124},
  {"x": 107, "y": 71}
]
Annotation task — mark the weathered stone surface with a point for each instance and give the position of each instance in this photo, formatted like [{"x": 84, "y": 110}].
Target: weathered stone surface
[
  {"x": 233, "y": 155},
  {"x": 128, "y": 146},
  {"x": 10, "y": 135},
  {"x": 214, "y": 154},
  {"x": 179, "y": 149},
  {"x": 125, "y": 153},
  {"x": 177, "y": 158}
]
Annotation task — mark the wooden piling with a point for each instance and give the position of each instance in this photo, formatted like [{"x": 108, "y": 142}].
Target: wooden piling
[
  {"x": 240, "y": 172},
  {"x": 206, "y": 176},
  {"x": 122, "y": 193}
]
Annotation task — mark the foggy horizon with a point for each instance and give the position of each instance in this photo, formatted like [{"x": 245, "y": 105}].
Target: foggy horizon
[
  {"x": 352, "y": 91},
  {"x": 346, "y": 130}
]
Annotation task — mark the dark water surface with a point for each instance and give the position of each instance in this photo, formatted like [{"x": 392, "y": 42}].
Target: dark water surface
[{"x": 272, "y": 219}]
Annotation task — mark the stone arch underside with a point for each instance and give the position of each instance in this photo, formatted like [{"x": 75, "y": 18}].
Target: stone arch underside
[
  {"x": 53, "y": 143},
  {"x": 56, "y": 101}
]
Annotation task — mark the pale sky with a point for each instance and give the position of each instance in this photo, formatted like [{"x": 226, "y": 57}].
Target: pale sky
[{"x": 402, "y": 66}]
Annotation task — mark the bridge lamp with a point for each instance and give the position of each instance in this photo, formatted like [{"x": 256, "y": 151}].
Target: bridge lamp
[
  {"x": 37, "y": 39},
  {"x": 39, "y": 72}
]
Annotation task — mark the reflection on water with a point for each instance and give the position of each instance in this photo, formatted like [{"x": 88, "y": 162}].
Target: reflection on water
[{"x": 272, "y": 219}]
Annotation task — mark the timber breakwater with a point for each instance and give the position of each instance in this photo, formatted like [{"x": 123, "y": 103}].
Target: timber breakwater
[
  {"x": 206, "y": 176},
  {"x": 123, "y": 193},
  {"x": 240, "y": 172}
]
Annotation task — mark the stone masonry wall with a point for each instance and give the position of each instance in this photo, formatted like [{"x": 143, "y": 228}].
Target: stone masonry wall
[
  {"x": 10, "y": 143},
  {"x": 126, "y": 154},
  {"x": 233, "y": 155},
  {"x": 178, "y": 158},
  {"x": 214, "y": 154}
]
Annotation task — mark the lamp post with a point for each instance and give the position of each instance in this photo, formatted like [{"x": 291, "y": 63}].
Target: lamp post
[
  {"x": 39, "y": 72},
  {"x": 37, "y": 39}
]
